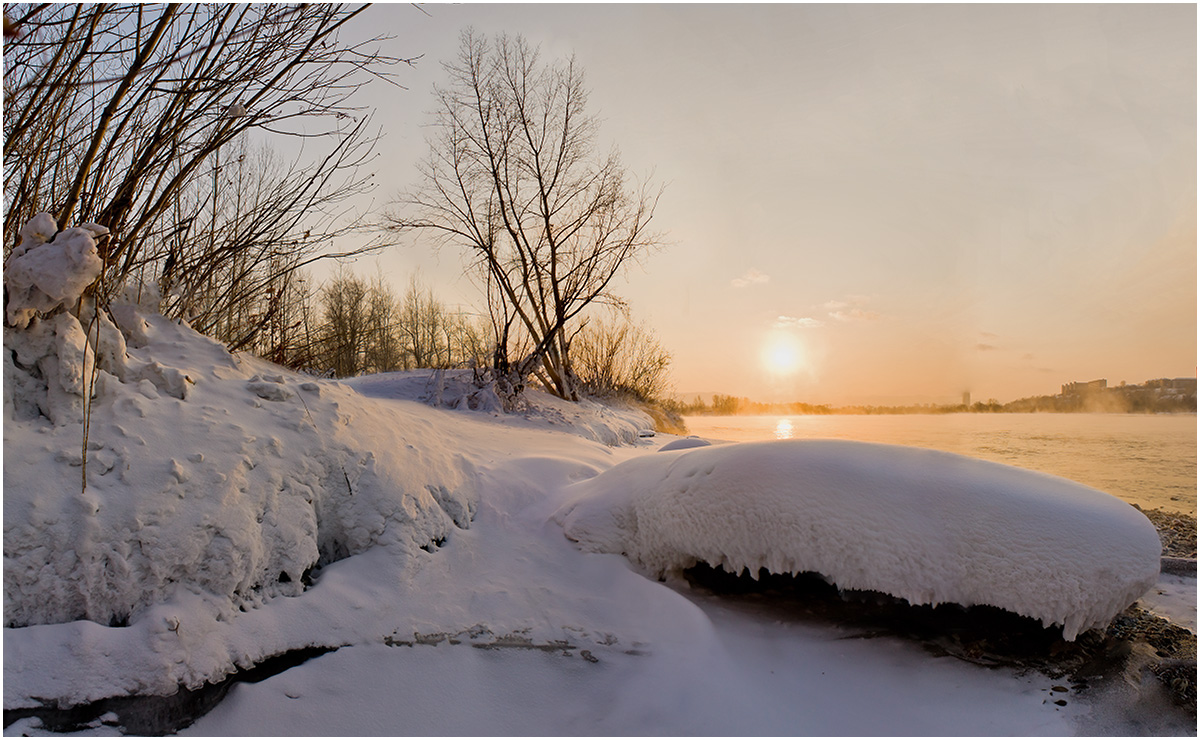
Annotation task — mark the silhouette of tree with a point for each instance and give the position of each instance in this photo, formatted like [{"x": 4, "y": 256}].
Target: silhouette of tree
[{"x": 514, "y": 178}]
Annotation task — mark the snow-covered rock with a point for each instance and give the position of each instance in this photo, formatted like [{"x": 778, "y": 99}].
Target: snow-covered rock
[
  {"x": 923, "y": 525},
  {"x": 684, "y": 443}
]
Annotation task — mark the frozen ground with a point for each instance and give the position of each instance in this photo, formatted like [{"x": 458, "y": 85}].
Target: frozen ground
[
  {"x": 235, "y": 511},
  {"x": 1174, "y": 598}
]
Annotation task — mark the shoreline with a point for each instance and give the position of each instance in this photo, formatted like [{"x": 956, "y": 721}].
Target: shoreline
[
  {"x": 1177, "y": 530},
  {"x": 904, "y": 411}
]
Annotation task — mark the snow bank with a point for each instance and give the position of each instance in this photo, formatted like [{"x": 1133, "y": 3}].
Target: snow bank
[
  {"x": 926, "y": 526},
  {"x": 455, "y": 389},
  {"x": 207, "y": 473}
]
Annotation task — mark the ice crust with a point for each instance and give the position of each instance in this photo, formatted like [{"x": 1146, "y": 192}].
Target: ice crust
[{"x": 926, "y": 526}]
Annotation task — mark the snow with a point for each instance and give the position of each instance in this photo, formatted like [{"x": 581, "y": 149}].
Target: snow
[
  {"x": 455, "y": 389},
  {"x": 211, "y": 474},
  {"x": 685, "y": 443},
  {"x": 1173, "y": 598},
  {"x": 46, "y": 271},
  {"x": 927, "y": 526},
  {"x": 745, "y": 684},
  {"x": 235, "y": 511}
]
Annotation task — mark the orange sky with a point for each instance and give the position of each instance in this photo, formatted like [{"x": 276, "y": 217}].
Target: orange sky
[{"x": 925, "y": 199}]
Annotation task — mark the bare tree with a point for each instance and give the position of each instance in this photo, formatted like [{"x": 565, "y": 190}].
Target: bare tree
[
  {"x": 384, "y": 350},
  {"x": 470, "y": 340},
  {"x": 364, "y": 328},
  {"x": 620, "y": 358},
  {"x": 136, "y": 117},
  {"x": 514, "y": 177},
  {"x": 344, "y": 332},
  {"x": 421, "y": 325}
]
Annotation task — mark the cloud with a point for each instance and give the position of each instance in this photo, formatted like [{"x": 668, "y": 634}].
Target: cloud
[
  {"x": 988, "y": 335},
  {"x": 1027, "y": 356},
  {"x": 752, "y": 277},
  {"x": 986, "y": 347},
  {"x": 855, "y": 314},
  {"x": 793, "y": 322},
  {"x": 851, "y": 309}
]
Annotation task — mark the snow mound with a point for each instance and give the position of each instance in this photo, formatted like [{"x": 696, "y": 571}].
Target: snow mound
[
  {"x": 448, "y": 389},
  {"x": 207, "y": 473},
  {"x": 684, "y": 443},
  {"x": 456, "y": 389},
  {"x": 923, "y": 525},
  {"x": 46, "y": 271}
]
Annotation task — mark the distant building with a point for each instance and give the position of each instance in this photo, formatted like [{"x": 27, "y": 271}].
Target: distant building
[
  {"x": 1174, "y": 385},
  {"x": 966, "y": 398},
  {"x": 1079, "y": 389}
]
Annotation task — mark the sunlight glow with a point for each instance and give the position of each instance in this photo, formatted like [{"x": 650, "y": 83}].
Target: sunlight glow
[
  {"x": 783, "y": 355},
  {"x": 783, "y": 430}
]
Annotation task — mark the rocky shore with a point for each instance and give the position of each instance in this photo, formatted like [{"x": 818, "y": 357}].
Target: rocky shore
[{"x": 1176, "y": 530}]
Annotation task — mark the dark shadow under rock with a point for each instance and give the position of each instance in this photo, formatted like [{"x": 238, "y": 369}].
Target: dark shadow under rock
[
  {"x": 159, "y": 715},
  {"x": 1134, "y": 642}
]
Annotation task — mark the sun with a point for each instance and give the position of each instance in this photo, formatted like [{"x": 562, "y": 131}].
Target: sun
[{"x": 783, "y": 354}]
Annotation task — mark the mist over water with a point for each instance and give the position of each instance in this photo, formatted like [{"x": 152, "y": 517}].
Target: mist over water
[{"x": 1149, "y": 460}]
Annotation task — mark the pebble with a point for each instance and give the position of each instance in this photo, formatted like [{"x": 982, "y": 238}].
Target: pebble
[{"x": 1176, "y": 530}]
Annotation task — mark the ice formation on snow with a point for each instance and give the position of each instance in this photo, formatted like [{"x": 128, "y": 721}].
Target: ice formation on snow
[
  {"x": 923, "y": 525},
  {"x": 46, "y": 271},
  {"x": 51, "y": 354}
]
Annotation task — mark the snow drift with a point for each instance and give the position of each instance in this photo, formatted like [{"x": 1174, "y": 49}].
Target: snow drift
[
  {"x": 201, "y": 472},
  {"x": 456, "y": 389},
  {"x": 926, "y": 526}
]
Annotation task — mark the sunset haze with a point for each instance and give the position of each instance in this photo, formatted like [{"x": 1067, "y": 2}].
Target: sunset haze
[{"x": 927, "y": 200}]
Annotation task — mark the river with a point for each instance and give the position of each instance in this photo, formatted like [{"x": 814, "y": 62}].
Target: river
[{"x": 1149, "y": 460}]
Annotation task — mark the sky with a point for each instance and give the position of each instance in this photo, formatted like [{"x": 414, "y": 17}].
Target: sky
[{"x": 870, "y": 203}]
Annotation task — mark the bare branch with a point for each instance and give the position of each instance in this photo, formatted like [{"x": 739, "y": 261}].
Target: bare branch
[{"x": 513, "y": 178}]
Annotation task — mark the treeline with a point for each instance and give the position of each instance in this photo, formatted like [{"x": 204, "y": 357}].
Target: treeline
[
  {"x": 734, "y": 406},
  {"x": 352, "y": 326},
  {"x": 1113, "y": 401},
  {"x": 365, "y": 327}
]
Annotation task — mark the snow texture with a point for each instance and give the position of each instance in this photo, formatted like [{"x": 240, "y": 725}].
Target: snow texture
[
  {"x": 207, "y": 473},
  {"x": 223, "y": 497},
  {"x": 686, "y": 443},
  {"x": 923, "y": 525},
  {"x": 46, "y": 271},
  {"x": 456, "y": 389}
]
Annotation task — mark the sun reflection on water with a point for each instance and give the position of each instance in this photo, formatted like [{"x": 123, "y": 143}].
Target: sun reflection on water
[{"x": 783, "y": 430}]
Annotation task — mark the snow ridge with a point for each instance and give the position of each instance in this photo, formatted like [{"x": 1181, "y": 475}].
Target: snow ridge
[{"x": 923, "y": 525}]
